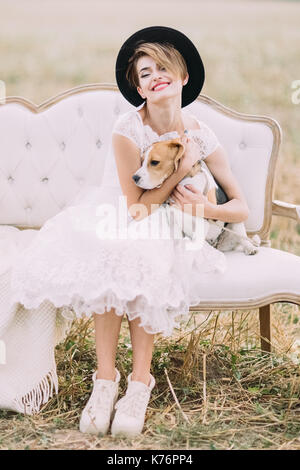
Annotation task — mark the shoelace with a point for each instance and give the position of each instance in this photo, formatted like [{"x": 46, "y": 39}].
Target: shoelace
[
  {"x": 101, "y": 401},
  {"x": 134, "y": 403}
]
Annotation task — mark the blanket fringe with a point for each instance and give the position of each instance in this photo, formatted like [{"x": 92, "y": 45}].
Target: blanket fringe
[{"x": 31, "y": 402}]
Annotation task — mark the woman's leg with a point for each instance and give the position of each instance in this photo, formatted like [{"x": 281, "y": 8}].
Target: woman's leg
[
  {"x": 107, "y": 331},
  {"x": 142, "y": 348}
]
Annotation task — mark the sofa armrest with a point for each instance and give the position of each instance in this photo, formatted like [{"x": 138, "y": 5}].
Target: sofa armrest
[{"x": 286, "y": 210}]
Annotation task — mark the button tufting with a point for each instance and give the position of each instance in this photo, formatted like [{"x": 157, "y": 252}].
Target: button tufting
[
  {"x": 80, "y": 180},
  {"x": 28, "y": 145},
  {"x": 62, "y": 145},
  {"x": 63, "y": 205},
  {"x": 242, "y": 145},
  {"x": 28, "y": 209},
  {"x": 99, "y": 143},
  {"x": 80, "y": 112},
  {"x": 10, "y": 179},
  {"x": 45, "y": 180}
]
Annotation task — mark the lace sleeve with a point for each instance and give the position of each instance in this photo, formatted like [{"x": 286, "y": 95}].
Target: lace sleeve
[
  {"x": 128, "y": 126},
  {"x": 207, "y": 139}
]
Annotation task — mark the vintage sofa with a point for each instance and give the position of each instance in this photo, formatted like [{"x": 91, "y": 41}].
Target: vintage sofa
[{"x": 51, "y": 151}]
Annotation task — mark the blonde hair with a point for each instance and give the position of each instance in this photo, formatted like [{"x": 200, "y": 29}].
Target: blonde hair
[{"x": 164, "y": 54}]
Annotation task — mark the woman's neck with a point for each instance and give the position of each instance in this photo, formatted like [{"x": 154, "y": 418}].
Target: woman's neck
[{"x": 163, "y": 120}]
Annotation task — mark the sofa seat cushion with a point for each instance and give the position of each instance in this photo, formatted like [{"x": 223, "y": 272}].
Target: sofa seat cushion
[{"x": 270, "y": 275}]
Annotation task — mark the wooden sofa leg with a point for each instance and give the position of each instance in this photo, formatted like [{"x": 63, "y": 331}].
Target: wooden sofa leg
[{"x": 265, "y": 327}]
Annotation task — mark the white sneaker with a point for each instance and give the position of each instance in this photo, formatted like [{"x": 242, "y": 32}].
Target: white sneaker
[
  {"x": 131, "y": 409},
  {"x": 96, "y": 415}
]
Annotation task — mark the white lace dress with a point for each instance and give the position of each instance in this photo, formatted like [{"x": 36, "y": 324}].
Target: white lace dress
[{"x": 73, "y": 265}]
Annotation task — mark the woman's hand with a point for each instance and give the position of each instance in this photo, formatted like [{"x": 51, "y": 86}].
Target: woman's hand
[
  {"x": 188, "y": 194},
  {"x": 190, "y": 156}
]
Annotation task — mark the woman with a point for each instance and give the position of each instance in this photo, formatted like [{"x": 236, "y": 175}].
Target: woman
[{"x": 154, "y": 281}]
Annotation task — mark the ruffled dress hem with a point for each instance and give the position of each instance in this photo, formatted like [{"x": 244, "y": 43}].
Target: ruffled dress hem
[{"x": 137, "y": 306}]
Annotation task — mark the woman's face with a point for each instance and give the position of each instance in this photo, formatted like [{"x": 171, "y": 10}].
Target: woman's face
[{"x": 150, "y": 74}]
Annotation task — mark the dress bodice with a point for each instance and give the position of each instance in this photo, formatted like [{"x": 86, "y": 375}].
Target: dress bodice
[{"x": 130, "y": 125}]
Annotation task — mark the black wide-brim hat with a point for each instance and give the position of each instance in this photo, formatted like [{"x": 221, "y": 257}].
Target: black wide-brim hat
[{"x": 161, "y": 34}]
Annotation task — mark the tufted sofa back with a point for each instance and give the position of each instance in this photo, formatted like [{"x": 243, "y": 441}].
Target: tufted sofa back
[{"x": 51, "y": 151}]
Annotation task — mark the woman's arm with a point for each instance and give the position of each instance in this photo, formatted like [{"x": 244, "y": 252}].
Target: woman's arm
[
  {"x": 235, "y": 210},
  {"x": 128, "y": 161},
  {"x": 211, "y": 196}
]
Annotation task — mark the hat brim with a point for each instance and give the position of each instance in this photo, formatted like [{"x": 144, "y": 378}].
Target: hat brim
[{"x": 161, "y": 34}]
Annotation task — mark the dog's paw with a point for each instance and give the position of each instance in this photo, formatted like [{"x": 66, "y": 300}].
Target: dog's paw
[{"x": 250, "y": 250}]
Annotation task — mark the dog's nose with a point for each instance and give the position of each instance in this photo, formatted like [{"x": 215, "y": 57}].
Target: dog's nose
[{"x": 136, "y": 178}]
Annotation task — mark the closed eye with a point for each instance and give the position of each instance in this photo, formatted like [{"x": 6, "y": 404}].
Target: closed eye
[
  {"x": 142, "y": 76},
  {"x": 154, "y": 162}
]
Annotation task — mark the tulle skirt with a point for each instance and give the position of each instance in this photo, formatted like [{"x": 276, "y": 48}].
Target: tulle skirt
[{"x": 83, "y": 260}]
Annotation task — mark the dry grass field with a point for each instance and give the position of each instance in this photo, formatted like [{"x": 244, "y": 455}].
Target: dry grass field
[{"x": 231, "y": 396}]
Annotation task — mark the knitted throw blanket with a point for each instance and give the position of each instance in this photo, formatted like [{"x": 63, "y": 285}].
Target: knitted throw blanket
[{"x": 28, "y": 338}]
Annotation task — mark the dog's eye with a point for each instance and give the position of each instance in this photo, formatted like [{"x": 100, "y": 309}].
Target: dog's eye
[{"x": 154, "y": 162}]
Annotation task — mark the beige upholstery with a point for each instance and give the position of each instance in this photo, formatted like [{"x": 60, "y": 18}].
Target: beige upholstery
[{"x": 48, "y": 153}]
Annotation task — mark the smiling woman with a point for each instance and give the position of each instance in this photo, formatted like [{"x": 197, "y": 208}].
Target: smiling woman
[
  {"x": 160, "y": 83},
  {"x": 153, "y": 281}
]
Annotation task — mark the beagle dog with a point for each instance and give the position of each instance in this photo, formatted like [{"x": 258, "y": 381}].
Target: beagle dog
[{"x": 159, "y": 161}]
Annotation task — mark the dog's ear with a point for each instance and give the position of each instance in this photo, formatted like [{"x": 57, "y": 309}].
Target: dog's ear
[{"x": 178, "y": 150}]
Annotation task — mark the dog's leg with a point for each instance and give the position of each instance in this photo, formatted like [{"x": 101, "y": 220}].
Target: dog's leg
[
  {"x": 247, "y": 246},
  {"x": 195, "y": 228},
  {"x": 229, "y": 241},
  {"x": 213, "y": 231},
  {"x": 174, "y": 216}
]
